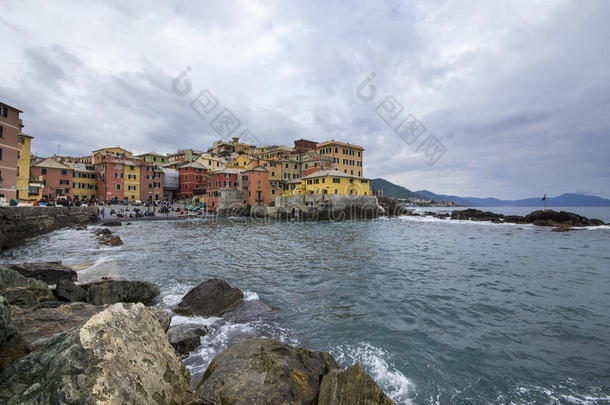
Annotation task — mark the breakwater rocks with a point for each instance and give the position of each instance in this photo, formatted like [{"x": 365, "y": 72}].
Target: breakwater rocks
[
  {"x": 20, "y": 223},
  {"x": 82, "y": 353},
  {"x": 561, "y": 220}
]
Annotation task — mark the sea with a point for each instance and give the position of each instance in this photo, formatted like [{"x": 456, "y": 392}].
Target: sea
[{"x": 436, "y": 311}]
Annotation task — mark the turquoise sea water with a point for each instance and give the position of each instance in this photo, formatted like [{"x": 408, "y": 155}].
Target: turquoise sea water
[{"x": 436, "y": 311}]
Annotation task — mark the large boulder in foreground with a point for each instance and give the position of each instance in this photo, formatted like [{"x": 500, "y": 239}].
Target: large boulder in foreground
[
  {"x": 210, "y": 298},
  {"x": 264, "y": 371},
  {"x": 23, "y": 291},
  {"x": 39, "y": 326},
  {"x": 47, "y": 272},
  {"x": 120, "y": 355},
  {"x": 112, "y": 291},
  {"x": 12, "y": 345},
  {"x": 351, "y": 386}
]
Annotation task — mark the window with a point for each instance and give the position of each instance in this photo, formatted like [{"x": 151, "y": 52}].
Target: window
[
  {"x": 336, "y": 180},
  {"x": 118, "y": 186},
  {"x": 1, "y": 129},
  {"x": 323, "y": 180},
  {"x": 43, "y": 171},
  {"x": 0, "y": 153},
  {"x": 64, "y": 182}
]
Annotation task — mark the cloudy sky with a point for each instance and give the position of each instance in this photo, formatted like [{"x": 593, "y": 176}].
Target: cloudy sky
[{"x": 516, "y": 92}]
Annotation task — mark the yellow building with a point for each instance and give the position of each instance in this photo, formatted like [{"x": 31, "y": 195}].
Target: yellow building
[
  {"x": 23, "y": 166},
  {"x": 241, "y": 162},
  {"x": 84, "y": 185},
  {"x": 131, "y": 181},
  {"x": 153, "y": 157},
  {"x": 347, "y": 158},
  {"x": 329, "y": 182}
]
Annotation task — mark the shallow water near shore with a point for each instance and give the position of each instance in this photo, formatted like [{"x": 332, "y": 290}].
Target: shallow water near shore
[{"x": 436, "y": 311}]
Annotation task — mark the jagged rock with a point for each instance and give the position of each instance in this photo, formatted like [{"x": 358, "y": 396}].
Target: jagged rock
[
  {"x": 112, "y": 223},
  {"x": 185, "y": 338},
  {"x": 111, "y": 241},
  {"x": 561, "y": 218},
  {"x": 259, "y": 370},
  {"x": 47, "y": 272},
  {"x": 351, "y": 386},
  {"x": 249, "y": 311},
  {"x": 38, "y": 326},
  {"x": 23, "y": 291},
  {"x": 102, "y": 232},
  {"x": 12, "y": 345},
  {"x": 477, "y": 215},
  {"x": 120, "y": 355},
  {"x": 68, "y": 291},
  {"x": 391, "y": 207},
  {"x": 113, "y": 291},
  {"x": 163, "y": 317},
  {"x": 210, "y": 298}
]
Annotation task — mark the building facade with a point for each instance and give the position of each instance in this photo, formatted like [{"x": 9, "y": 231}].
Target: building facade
[
  {"x": 346, "y": 158},
  {"x": 331, "y": 182},
  {"x": 257, "y": 187},
  {"x": 23, "y": 167},
  {"x": 193, "y": 180},
  {"x": 84, "y": 182},
  {"x": 10, "y": 128},
  {"x": 56, "y": 177}
]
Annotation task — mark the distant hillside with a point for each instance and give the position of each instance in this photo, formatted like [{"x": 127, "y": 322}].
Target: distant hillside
[
  {"x": 564, "y": 200},
  {"x": 392, "y": 190}
]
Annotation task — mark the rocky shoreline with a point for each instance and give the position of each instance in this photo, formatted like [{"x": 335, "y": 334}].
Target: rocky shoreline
[{"x": 100, "y": 342}]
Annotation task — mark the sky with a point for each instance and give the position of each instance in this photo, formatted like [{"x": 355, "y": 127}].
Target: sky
[{"x": 506, "y": 99}]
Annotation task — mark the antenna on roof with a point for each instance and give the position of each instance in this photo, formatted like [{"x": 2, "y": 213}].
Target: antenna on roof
[{"x": 58, "y": 150}]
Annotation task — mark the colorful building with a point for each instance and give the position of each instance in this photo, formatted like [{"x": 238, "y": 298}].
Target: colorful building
[
  {"x": 10, "y": 129},
  {"x": 274, "y": 152},
  {"x": 115, "y": 152},
  {"x": 257, "y": 186},
  {"x": 312, "y": 162},
  {"x": 346, "y": 158},
  {"x": 153, "y": 157},
  {"x": 151, "y": 181},
  {"x": 84, "y": 183},
  {"x": 131, "y": 180},
  {"x": 193, "y": 180},
  {"x": 109, "y": 175},
  {"x": 56, "y": 178},
  {"x": 228, "y": 178},
  {"x": 211, "y": 162},
  {"x": 330, "y": 182},
  {"x": 23, "y": 167}
]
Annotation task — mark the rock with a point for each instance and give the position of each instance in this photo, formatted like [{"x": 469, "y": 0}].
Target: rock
[
  {"x": 20, "y": 223},
  {"x": 112, "y": 223},
  {"x": 562, "y": 229},
  {"x": 111, "y": 241},
  {"x": 163, "y": 317},
  {"x": 47, "y": 272},
  {"x": 80, "y": 227},
  {"x": 12, "y": 345},
  {"x": 120, "y": 355},
  {"x": 68, "y": 291},
  {"x": 23, "y": 291},
  {"x": 38, "y": 326},
  {"x": 102, "y": 232},
  {"x": 249, "y": 311},
  {"x": 351, "y": 386},
  {"x": 391, "y": 207},
  {"x": 561, "y": 218},
  {"x": 210, "y": 298},
  {"x": 477, "y": 215},
  {"x": 113, "y": 291},
  {"x": 259, "y": 370},
  {"x": 185, "y": 338}
]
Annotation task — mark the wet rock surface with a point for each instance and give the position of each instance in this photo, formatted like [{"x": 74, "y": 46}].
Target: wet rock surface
[
  {"x": 210, "y": 298},
  {"x": 185, "y": 338},
  {"x": 249, "y": 311},
  {"x": 12, "y": 345},
  {"x": 119, "y": 355},
  {"x": 259, "y": 370},
  {"x": 23, "y": 291},
  {"x": 68, "y": 291},
  {"x": 47, "y": 272},
  {"x": 113, "y": 291},
  {"x": 351, "y": 386},
  {"x": 105, "y": 237}
]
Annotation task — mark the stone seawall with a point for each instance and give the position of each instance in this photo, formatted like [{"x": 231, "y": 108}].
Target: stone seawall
[{"x": 19, "y": 223}]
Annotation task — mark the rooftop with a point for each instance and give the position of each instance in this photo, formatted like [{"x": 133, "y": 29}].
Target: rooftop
[
  {"x": 333, "y": 142},
  {"x": 50, "y": 163},
  {"x": 331, "y": 173}
]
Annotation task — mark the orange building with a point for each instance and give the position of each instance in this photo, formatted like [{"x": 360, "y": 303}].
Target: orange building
[{"x": 258, "y": 188}]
